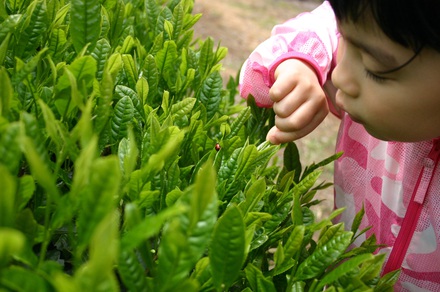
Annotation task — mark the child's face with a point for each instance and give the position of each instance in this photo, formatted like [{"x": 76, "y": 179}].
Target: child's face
[{"x": 400, "y": 106}]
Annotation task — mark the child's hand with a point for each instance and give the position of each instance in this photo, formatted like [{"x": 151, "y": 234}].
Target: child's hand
[{"x": 300, "y": 104}]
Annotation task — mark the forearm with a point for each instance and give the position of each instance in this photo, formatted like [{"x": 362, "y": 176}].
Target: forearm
[{"x": 311, "y": 37}]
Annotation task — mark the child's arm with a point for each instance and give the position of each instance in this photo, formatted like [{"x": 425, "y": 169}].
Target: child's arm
[{"x": 290, "y": 69}]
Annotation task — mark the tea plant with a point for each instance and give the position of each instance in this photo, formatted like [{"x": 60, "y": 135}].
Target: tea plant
[{"x": 125, "y": 164}]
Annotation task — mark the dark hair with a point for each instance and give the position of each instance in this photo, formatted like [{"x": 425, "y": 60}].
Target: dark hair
[{"x": 411, "y": 23}]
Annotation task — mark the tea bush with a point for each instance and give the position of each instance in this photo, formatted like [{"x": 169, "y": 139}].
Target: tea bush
[{"x": 126, "y": 165}]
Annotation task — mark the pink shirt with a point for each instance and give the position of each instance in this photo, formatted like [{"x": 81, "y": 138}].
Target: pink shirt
[{"x": 398, "y": 183}]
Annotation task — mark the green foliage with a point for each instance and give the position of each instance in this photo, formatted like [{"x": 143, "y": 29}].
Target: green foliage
[{"x": 126, "y": 165}]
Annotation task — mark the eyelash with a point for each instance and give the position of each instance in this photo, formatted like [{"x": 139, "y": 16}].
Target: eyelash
[{"x": 374, "y": 77}]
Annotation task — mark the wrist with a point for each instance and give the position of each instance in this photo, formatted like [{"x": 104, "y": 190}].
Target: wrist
[{"x": 296, "y": 67}]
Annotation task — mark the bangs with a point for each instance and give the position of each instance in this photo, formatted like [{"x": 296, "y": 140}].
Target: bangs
[{"x": 410, "y": 23}]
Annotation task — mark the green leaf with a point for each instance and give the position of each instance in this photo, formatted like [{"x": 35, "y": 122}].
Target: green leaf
[
  {"x": 83, "y": 130},
  {"x": 39, "y": 168},
  {"x": 297, "y": 214},
  {"x": 114, "y": 65},
  {"x": 294, "y": 242},
  {"x": 298, "y": 286},
  {"x": 10, "y": 154},
  {"x": 103, "y": 103},
  {"x": 166, "y": 60},
  {"x": 51, "y": 125},
  {"x": 292, "y": 161},
  {"x": 23, "y": 71},
  {"x": 370, "y": 271},
  {"x": 127, "y": 45},
  {"x": 34, "y": 29},
  {"x": 357, "y": 220},
  {"x": 246, "y": 161},
  {"x": 142, "y": 89},
  {"x": 7, "y": 198},
  {"x": 57, "y": 42},
  {"x": 239, "y": 122},
  {"x": 204, "y": 194},
  {"x": 195, "y": 228},
  {"x": 343, "y": 269},
  {"x": 157, "y": 44},
  {"x": 128, "y": 154},
  {"x": 8, "y": 25},
  {"x": 386, "y": 283},
  {"x": 123, "y": 114},
  {"x": 13, "y": 279},
  {"x": 323, "y": 257},
  {"x": 164, "y": 15},
  {"x": 130, "y": 69},
  {"x": 83, "y": 70},
  {"x": 257, "y": 280},
  {"x": 329, "y": 233},
  {"x": 12, "y": 242},
  {"x": 101, "y": 53},
  {"x": 98, "y": 273},
  {"x": 173, "y": 251},
  {"x": 131, "y": 271},
  {"x": 206, "y": 57},
  {"x": 85, "y": 26},
  {"x": 25, "y": 191},
  {"x": 306, "y": 183},
  {"x": 253, "y": 196},
  {"x": 149, "y": 227},
  {"x": 168, "y": 28},
  {"x": 210, "y": 93},
  {"x": 7, "y": 92},
  {"x": 167, "y": 151},
  {"x": 201, "y": 271},
  {"x": 152, "y": 13},
  {"x": 4, "y": 49},
  {"x": 98, "y": 198},
  {"x": 324, "y": 162},
  {"x": 183, "y": 108},
  {"x": 151, "y": 73},
  {"x": 228, "y": 168},
  {"x": 177, "y": 22},
  {"x": 116, "y": 13},
  {"x": 26, "y": 223},
  {"x": 226, "y": 253}
]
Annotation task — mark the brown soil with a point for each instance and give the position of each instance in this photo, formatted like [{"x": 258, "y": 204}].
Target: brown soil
[{"x": 240, "y": 25}]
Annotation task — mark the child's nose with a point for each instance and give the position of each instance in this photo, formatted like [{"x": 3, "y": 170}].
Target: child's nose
[{"x": 344, "y": 74}]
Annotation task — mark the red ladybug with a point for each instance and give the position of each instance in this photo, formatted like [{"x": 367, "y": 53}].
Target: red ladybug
[{"x": 217, "y": 147}]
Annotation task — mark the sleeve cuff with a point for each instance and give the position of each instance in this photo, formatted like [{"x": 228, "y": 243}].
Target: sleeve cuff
[{"x": 299, "y": 56}]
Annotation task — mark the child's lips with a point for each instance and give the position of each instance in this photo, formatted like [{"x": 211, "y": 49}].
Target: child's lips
[
  {"x": 338, "y": 100},
  {"x": 340, "y": 105}
]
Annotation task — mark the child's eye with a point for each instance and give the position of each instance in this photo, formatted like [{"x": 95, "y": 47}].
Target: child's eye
[{"x": 374, "y": 77}]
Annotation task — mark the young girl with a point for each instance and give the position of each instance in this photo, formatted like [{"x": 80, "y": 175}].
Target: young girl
[{"x": 383, "y": 58}]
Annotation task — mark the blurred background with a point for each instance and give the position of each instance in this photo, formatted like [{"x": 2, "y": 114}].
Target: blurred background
[{"x": 240, "y": 25}]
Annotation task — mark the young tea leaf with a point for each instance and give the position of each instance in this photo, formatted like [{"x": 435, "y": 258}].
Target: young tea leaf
[
  {"x": 6, "y": 92},
  {"x": 123, "y": 114},
  {"x": 85, "y": 26},
  {"x": 210, "y": 93},
  {"x": 257, "y": 280},
  {"x": 342, "y": 270},
  {"x": 36, "y": 25},
  {"x": 7, "y": 199},
  {"x": 226, "y": 253},
  {"x": 323, "y": 256}
]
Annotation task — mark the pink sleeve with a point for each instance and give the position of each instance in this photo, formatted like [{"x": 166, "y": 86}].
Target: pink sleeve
[{"x": 311, "y": 37}]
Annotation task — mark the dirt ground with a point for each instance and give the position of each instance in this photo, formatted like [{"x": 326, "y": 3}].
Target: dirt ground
[{"x": 240, "y": 25}]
